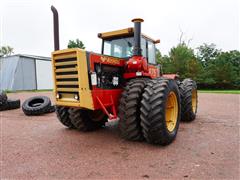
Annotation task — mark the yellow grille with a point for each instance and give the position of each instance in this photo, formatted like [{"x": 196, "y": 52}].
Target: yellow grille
[
  {"x": 71, "y": 83},
  {"x": 66, "y": 76}
]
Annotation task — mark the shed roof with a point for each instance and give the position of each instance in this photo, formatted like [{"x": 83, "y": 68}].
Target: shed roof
[{"x": 31, "y": 56}]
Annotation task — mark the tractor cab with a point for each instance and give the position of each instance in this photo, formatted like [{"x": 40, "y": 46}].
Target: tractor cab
[{"x": 120, "y": 43}]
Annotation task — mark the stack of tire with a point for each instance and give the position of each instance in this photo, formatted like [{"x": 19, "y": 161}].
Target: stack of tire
[{"x": 8, "y": 104}]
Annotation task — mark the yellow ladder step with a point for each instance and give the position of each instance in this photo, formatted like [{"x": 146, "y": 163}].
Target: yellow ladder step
[
  {"x": 65, "y": 63},
  {"x": 66, "y": 76},
  {"x": 64, "y": 56},
  {"x": 66, "y": 70},
  {"x": 67, "y": 83},
  {"x": 68, "y": 89}
]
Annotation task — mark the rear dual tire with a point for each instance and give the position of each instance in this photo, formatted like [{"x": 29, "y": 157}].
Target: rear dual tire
[
  {"x": 129, "y": 110},
  {"x": 189, "y": 100},
  {"x": 150, "y": 109}
]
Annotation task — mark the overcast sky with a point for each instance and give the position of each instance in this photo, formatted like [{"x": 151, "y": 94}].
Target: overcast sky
[{"x": 26, "y": 25}]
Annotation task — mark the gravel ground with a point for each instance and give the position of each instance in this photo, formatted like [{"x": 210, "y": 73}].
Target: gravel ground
[{"x": 41, "y": 148}]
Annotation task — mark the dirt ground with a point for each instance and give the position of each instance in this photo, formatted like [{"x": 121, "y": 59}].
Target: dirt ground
[{"x": 41, "y": 148}]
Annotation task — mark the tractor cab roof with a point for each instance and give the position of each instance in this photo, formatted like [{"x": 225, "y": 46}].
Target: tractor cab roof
[{"x": 128, "y": 32}]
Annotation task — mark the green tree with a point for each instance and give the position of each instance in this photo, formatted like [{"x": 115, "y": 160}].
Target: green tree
[
  {"x": 181, "y": 60},
  {"x": 219, "y": 67},
  {"x": 207, "y": 52},
  {"x": 6, "y": 51},
  {"x": 209, "y": 67},
  {"x": 158, "y": 56},
  {"x": 76, "y": 44},
  {"x": 226, "y": 68},
  {"x": 165, "y": 62}
]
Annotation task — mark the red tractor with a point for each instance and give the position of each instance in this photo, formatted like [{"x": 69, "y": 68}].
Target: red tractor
[{"x": 123, "y": 82}]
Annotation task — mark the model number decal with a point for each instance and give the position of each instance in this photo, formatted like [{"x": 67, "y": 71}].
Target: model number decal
[
  {"x": 153, "y": 71},
  {"x": 109, "y": 60}
]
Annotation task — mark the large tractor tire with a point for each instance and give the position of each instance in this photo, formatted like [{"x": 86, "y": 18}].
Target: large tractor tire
[
  {"x": 10, "y": 104},
  {"x": 63, "y": 116},
  {"x": 189, "y": 100},
  {"x": 13, "y": 104},
  {"x": 36, "y": 105},
  {"x": 160, "y": 111},
  {"x": 87, "y": 120},
  {"x": 3, "y": 99},
  {"x": 129, "y": 110}
]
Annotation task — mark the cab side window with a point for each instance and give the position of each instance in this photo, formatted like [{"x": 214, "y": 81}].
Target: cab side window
[
  {"x": 151, "y": 53},
  {"x": 144, "y": 47}
]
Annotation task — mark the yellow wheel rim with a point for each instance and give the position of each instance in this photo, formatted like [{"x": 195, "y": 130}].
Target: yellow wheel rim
[
  {"x": 171, "y": 113},
  {"x": 194, "y": 100}
]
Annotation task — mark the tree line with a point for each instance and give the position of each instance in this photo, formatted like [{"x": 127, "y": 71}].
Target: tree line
[
  {"x": 212, "y": 68},
  {"x": 6, "y": 51}
]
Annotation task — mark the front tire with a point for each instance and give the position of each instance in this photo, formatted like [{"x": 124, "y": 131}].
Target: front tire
[
  {"x": 160, "y": 111},
  {"x": 189, "y": 100},
  {"x": 63, "y": 116},
  {"x": 87, "y": 120}
]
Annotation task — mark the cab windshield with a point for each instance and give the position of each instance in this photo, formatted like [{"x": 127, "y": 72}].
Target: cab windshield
[{"x": 122, "y": 47}]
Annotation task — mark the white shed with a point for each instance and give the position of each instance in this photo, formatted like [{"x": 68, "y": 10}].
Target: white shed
[{"x": 25, "y": 72}]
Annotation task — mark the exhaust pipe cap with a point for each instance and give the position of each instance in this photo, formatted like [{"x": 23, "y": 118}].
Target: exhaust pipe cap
[{"x": 138, "y": 20}]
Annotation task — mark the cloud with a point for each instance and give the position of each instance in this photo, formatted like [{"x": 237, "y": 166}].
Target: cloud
[{"x": 27, "y": 24}]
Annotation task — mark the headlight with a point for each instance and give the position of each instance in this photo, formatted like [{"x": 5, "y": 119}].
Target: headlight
[
  {"x": 76, "y": 97},
  {"x": 58, "y": 96}
]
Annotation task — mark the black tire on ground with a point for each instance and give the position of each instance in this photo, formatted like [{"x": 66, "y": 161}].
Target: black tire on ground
[
  {"x": 3, "y": 99},
  {"x": 36, "y": 105},
  {"x": 3, "y": 107},
  {"x": 87, "y": 120},
  {"x": 51, "y": 109},
  {"x": 189, "y": 100},
  {"x": 129, "y": 110},
  {"x": 11, "y": 104},
  {"x": 154, "y": 107},
  {"x": 63, "y": 116}
]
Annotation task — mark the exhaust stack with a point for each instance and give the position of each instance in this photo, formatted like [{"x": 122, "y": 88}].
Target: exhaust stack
[
  {"x": 137, "y": 51},
  {"x": 55, "y": 28}
]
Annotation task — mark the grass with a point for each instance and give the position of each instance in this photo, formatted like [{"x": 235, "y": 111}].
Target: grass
[{"x": 220, "y": 91}]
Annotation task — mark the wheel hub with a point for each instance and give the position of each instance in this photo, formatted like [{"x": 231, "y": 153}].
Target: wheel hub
[
  {"x": 194, "y": 100},
  {"x": 171, "y": 111}
]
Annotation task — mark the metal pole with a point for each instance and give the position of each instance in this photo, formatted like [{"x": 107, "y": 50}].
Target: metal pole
[{"x": 55, "y": 28}]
